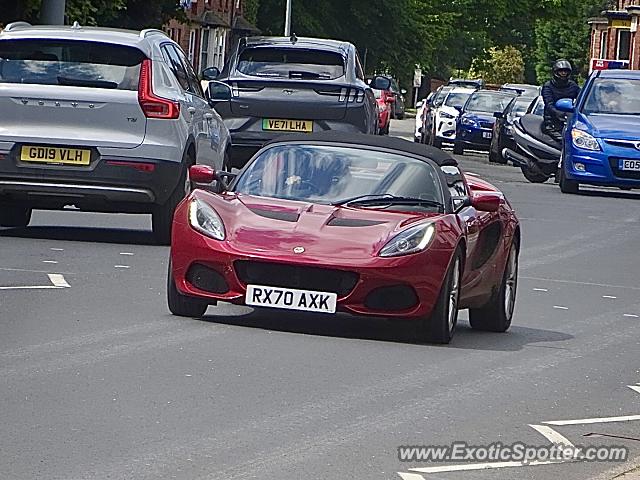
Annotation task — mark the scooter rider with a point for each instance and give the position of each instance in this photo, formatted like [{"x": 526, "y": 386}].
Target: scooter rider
[{"x": 560, "y": 86}]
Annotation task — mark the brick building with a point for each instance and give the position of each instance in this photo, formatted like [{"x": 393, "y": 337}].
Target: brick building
[
  {"x": 615, "y": 37},
  {"x": 211, "y": 28}
]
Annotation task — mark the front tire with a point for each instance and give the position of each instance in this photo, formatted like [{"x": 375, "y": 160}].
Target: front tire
[
  {"x": 496, "y": 315},
  {"x": 181, "y": 305},
  {"x": 14, "y": 216},
  {"x": 440, "y": 326},
  {"x": 533, "y": 177},
  {"x": 566, "y": 185}
]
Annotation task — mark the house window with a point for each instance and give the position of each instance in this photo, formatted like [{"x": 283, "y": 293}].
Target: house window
[
  {"x": 603, "y": 44},
  {"x": 624, "y": 44},
  {"x": 192, "y": 45},
  {"x": 204, "y": 48}
]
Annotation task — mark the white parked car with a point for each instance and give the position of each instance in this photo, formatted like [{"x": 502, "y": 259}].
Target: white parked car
[
  {"x": 421, "y": 110},
  {"x": 445, "y": 116}
]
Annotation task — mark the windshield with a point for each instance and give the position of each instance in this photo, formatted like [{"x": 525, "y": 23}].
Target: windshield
[
  {"x": 291, "y": 63},
  {"x": 488, "y": 103},
  {"x": 613, "y": 96},
  {"x": 70, "y": 62},
  {"x": 456, "y": 99},
  {"x": 521, "y": 105},
  {"x": 332, "y": 174}
]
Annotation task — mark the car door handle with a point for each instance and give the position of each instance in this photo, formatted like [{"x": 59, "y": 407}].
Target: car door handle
[{"x": 191, "y": 110}]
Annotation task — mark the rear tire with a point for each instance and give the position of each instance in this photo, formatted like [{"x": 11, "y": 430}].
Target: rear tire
[
  {"x": 162, "y": 215},
  {"x": 14, "y": 216},
  {"x": 496, "y": 315},
  {"x": 458, "y": 149},
  {"x": 533, "y": 177},
  {"x": 182, "y": 305},
  {"x": 566, "y": 185},
  {"x": 440, "y": 326}
]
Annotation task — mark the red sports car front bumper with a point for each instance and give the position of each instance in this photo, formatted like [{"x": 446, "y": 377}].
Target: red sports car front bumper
[{"x": 401, "y": 287}]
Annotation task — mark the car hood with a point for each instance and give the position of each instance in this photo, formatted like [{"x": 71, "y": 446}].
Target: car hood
[
  {"x": 620, "y": 127},
  {"x": 449, "y": 110},
  {"x": 274, "y": 227},
  {"x": 479, "y": 117}
]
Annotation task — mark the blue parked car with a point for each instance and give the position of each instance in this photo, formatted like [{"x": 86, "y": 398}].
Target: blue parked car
[
  {"x": 475, "y": 125},
  {"x": 602, "y": 138}
]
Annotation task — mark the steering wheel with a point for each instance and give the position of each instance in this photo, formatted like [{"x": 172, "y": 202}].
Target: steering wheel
[{"x": 305, "y": 187}]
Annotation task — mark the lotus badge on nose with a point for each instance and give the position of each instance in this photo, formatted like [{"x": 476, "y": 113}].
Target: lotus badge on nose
[{"x": 298, "y": 249}]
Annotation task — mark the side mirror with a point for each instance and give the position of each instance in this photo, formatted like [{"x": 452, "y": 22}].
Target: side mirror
[
  {"x": 565, "y": 105},
  {"x": 458, "y": 108},
  {"x": 403, "y": 91},
  {"x": 218, "y": 91},
  {"x": 380, "y": 83},
  {"x": 210, "y": 73},
  {"x": 202, "y": 174},
  {"x": 485, "y": 201},
  {"x": 419, "y": 104},
  {"x": 497, "y": 114},
  {"x": 391, "y": 99}
]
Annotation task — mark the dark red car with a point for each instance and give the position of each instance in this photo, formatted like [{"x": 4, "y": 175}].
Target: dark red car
[
  {"x": 354, "y": 223},
  {"x": 385, "y": 104}
]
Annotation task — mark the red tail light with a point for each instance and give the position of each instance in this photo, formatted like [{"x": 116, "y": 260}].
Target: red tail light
[
  {"x": 141, "y": 167},
  {"x": 152, "y": 105}
]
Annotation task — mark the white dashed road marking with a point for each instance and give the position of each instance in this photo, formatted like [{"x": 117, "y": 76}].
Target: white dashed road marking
[
  {"x": 121, "y": 266},
  {"x": 126, "y": 253},
  {"x": 630, "y": 315},
  {"x": 558, "y": 307},
  {"x": 553, "y": 436},
  {"x": 49, "y": 261},
  {"x": 540, "y": 290},
  {"x": 481, "y": 466},
  {"x": 56, "y": 278},
  {"x": 58, "y": 249},
  {"x": 609, "y": 296}
]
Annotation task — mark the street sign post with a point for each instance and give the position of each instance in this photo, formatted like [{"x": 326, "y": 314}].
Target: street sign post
[{"x": 417, "y": 83}]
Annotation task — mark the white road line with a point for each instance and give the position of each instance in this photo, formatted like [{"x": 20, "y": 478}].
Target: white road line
[
  {"x": 121, "y": 266},
  {"x": 481, "y": 466},
  {"x": 126, "y": 253},
  {"x": 609, "y": 296},
  {"x": 540, "y": 290},
  {"x": 635, "y": 388},
  {"x": 58, "y": 280},
  {"x": 558, "y": 307},
  {"x": 588, "y": 421},
  {"x": 49, "y": 261},
  {"x": 572, "y": 282},
  {"x": 551, "y": 435},
  {"x": 58, "y": 249},
  {"x": 630, "y": 315},
  {"x": 32, "y": 287},
  {"x": 410, "y": 476}
]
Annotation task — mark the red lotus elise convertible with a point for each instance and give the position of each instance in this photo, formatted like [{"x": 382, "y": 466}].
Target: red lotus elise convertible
[{"x": 353, "y": 223}]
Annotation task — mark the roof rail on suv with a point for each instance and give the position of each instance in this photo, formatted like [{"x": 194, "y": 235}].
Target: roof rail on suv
[
  {"x": 151, "y": 31},
  {"x": 16, "y": 26}
]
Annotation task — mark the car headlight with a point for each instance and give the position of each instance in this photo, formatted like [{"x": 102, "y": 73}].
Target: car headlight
[
  {"x": 205, "y": 220},
  {"x": 447, "y": 115},
  {"x": 468, "y": 122},
  {"x": 412, "y": 240},
  {"x": 582, "y": 139}
]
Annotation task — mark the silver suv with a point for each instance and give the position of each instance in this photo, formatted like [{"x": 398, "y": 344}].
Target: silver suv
[{"x": 106, "y": 120}]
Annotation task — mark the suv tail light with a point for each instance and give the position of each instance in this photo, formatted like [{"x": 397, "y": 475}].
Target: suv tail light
[{"x": 152, "y": 105}]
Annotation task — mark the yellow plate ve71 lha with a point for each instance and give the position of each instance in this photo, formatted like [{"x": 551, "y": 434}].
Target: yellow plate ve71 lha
[
  {"x": 287, "y": 125},
  {"x": 64, "y": 156}
]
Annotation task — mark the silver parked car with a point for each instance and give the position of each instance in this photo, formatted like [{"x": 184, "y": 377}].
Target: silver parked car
[{"x": 106, "y": 120}]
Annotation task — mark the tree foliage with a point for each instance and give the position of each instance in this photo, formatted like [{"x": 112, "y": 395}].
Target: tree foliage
[
  {"x": 393, "y": 36},
  {"x": 564, "y": 33},
  {"x": 503, "y": 65}
]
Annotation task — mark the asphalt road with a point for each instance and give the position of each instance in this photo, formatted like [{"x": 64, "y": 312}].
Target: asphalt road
[{"x": 99, "y": 381}]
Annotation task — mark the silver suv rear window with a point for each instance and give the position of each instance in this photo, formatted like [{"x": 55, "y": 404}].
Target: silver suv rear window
[
  {"x": 291, "y": 63},
  {"x": 70, "y": 62}
]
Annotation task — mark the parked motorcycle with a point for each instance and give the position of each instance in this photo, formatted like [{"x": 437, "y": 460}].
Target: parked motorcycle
[{"x": 536, "y": 153}]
